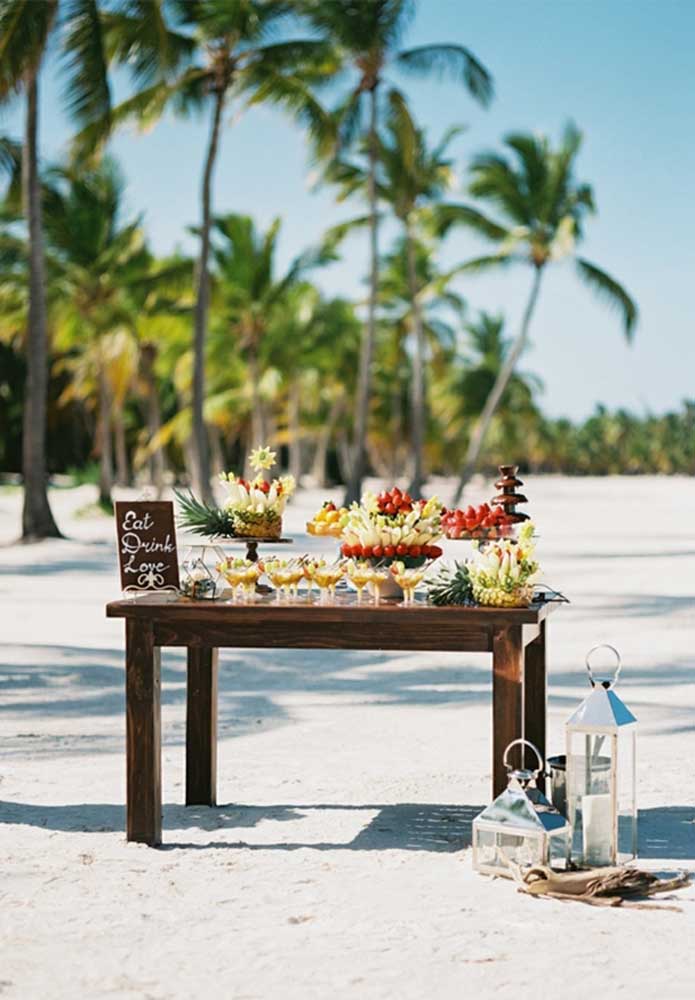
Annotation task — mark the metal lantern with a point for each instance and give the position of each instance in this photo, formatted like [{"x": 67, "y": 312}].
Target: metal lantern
[
  {"x": 198, "y": 577},
  {"x": 520, "y": 827},
  {"x": 601, "y": 775}
]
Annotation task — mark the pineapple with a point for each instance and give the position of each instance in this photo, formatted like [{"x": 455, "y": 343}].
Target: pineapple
[
  {"x": 451, "y": 587},
  {"x": 202, "y": 519},
  {"x": 258, "y": 524}
]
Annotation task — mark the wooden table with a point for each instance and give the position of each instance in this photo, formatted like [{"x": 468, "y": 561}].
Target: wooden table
[{"x": 515, "y": 637}]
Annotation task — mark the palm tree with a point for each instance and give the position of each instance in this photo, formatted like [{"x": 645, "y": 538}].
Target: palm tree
[
  {"x": 412, "y": 178},
  {"x": 367, "y": 34},
  {"x": 205, "y": 55},
  {"x": 96, "y": 265},
  {"x": 469, "y": 378},
  {"x": 542, "y": 210},
  {"x": 25, "y": 29},
  {"x": 248, "y": 295}
]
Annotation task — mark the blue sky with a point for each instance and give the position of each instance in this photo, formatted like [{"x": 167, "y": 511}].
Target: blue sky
[{"x": 621, "y": 69}]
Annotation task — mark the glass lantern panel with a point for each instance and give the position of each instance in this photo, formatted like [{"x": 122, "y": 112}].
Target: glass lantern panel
[
  {"x": 496, "y": 850},
  {"x": 627, "y": 807},
  {"x": 590, "y": 806},
  {"x": 558, "y": 849}
]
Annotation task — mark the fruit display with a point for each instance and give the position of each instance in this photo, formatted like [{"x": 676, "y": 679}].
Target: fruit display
[
  {"x": 477, "y": 522},
  {"x": 502, "y": 574},
  {"x": 329, "y": 520},
  {"x": 253, "y": 508},
  {"x": 451, "y": 586},
  {"x": 392, "y": 526},
  {"x": 284, "y": 574},
  {"x": 257, "y": 505}
]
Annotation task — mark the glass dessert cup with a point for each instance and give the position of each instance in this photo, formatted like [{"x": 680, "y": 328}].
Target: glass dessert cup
[
  {"x": 360, "y": 574},
  {"x": 326, "y": 578},
  {"x": 310, "y": 566},
  {"x": 380, "y": 576},
  {"x": 408, "y": 580},
  {"x": 241, "y": 575},
  {"x": 284, "y": 575}
]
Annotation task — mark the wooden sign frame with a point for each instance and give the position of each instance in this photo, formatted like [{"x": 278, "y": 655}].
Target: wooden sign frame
[{"x": 147, "y": 553}]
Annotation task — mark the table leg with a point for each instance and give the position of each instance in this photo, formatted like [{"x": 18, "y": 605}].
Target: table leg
[
  {"x": 143, "y": 734},
  {"x": 201, "y": 727},
  {"x": 507, "y": 698},
  {"x": 535, "y": 695}
]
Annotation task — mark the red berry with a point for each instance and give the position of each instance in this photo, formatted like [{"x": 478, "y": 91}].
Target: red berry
[
  {"x": 435, "y": 551},
  {"x": 390, "y": 508},
  {"x": 401, "y": 549},
  {"x": 415, "y": 550},
  {"x": 377, "y": 551},
  {"x": 367, "y": 551},
  {"x": 389, "y": 550},
  {"x": 346, "y": 549}
]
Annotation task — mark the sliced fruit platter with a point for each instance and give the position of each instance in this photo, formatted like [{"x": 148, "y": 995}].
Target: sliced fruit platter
[{"x": 329, "y": 520}]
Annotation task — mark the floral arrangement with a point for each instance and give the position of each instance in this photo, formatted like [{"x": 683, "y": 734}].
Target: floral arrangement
[
  {"x": 502, "y": 574},
  {"x": 253, "y": 508},
  {"x": 392, "y": 526}
]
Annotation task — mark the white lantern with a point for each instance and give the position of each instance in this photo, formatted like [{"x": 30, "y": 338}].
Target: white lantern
[
  {"x": 601, "y": 774},
  {"x": 520, "y": 828}
]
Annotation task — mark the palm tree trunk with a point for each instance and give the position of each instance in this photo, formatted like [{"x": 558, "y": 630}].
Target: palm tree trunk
[
  {"x": 492, "y": 402},
  {"x": 148, "y": 353},
  {"x": 122, "y": 466},
  {"x": 294, "y": 427},
  {"x": 105, "y": 447},
  {"x": 201, "y": 454},
  {"x": 258, "y": 422},
  {"x": 417, "y": 399},
  {"x": 216, "y": 450},
  {"x": 37, "y": 519},
  {"x": 354, "y": 488},
  {"x": 318, "y": 468}
]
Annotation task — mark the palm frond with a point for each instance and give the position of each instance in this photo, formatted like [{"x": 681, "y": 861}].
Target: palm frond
[
  {"x": 443, "y": 217},
  {"x": 24, "y": 31},
  {"x": 453, "y": 61},
  {"x": 87, "y": 93},
  {"x": 611, "y": 292}
]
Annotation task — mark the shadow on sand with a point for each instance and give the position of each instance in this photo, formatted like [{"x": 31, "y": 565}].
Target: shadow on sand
[{"x": 665, "y": 833}]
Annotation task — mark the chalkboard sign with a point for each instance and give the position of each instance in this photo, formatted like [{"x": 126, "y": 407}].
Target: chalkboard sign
[{"x": 147, "y": 545}]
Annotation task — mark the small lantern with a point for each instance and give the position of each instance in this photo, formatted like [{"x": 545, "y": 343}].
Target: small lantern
[
  {"x": 520, "y": 827},
  {"x": 601, "y": 775},
  {"x": 198, "y": 580}
]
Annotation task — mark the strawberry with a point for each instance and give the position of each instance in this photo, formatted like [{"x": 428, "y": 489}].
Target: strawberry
[
  {"x": 367, "y": 551},
  {"x": 401, "y": 550},
  {"x": 377, "y": 551},
  {"x": 389, "y": 550},
  {"x": 415, "y": 550},
  {"x": 436, "y": 551},
  {"x": 390, "y": 508},
  {"x": 346, "y": 549}
]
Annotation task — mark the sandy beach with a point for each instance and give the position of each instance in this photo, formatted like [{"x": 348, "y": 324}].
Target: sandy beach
[{"x": 340, "y": 864}]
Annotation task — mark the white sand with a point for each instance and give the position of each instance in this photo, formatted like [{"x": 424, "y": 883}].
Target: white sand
[{"x": 341, "y": 866}]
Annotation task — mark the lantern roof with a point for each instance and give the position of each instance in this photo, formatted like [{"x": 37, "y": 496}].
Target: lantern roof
[
  {"x": 602, "y": 710},
  {"x": 525, "y": 809}
]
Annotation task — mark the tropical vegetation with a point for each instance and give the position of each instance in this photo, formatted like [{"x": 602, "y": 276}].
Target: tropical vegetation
[{"x": 125, "y": 367}]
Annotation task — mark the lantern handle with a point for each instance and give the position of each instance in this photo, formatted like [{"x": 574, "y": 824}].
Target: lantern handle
[
  {"x": 618, "y": 664},
  {"x": 526, "y": 743}
]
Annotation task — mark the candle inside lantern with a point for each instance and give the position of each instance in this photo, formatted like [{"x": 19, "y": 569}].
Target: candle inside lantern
[{"x": 596, "y": 829}]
